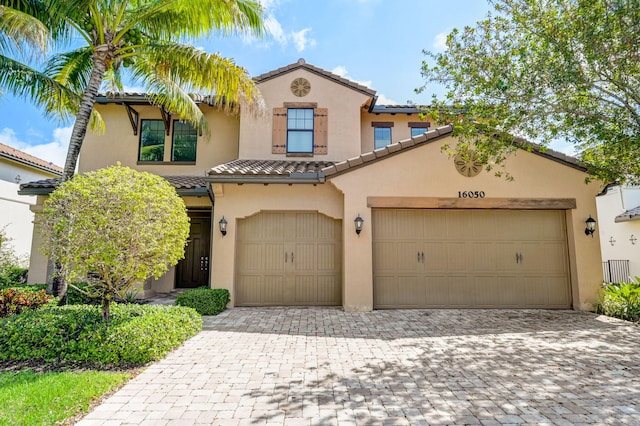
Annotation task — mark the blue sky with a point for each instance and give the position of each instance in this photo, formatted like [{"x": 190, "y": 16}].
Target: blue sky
[{"x": 377, "y": 43}]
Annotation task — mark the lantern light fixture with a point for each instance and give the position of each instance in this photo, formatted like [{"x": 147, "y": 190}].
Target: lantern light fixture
[
  {"x": 223, "y": 226},
  {"x": 591, "y": 226},
  {"x": 358, "y": 222}
]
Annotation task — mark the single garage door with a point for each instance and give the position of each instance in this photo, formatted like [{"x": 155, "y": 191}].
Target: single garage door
[
  {"x": 288, "y": 259},
  {"x": 470, "y": 259}
]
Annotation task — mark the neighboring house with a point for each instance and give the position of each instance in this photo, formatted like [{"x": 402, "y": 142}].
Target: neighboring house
[
  {"x": 292, "y": 187},
  {"x": 15, "y": 217},
  {"x": 619, "y": 227}
]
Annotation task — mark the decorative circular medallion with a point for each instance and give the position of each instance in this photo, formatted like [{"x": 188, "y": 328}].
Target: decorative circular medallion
[
  {"x": 300, "y": 87},
  {"x": 469, "y": 167}
]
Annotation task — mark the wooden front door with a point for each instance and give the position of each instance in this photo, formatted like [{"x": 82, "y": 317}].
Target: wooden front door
[{"x": 193, "y": 270}]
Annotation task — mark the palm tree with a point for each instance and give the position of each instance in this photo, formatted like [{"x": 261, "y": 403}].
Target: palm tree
[
  {"x": 148, "y": 38},
  {"x": 24, "y": 35}
]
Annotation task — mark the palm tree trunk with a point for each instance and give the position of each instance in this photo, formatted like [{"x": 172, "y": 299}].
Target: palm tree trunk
[
  {"x": 84, "y": 113},
  {"x": 77, "y": 137}
]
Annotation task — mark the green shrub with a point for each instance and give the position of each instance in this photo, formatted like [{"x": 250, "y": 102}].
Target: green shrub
[
  {"x": 77, "y": 297},
  {"x": 13, "y": 275},
  {"x": 15, "y": 300},
  {"x": 137, "y": 334},
  {"x": 204, "y": 300},
  {"x": 621, "y": 300}
]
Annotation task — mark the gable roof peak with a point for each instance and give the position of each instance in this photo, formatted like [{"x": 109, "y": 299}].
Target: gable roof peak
[{"x": 302, "y": 64}]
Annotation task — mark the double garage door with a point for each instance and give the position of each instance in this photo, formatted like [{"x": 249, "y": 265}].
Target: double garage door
[
  {"x": 470, "y": 259},
  {"x": 289, "y": 259}
]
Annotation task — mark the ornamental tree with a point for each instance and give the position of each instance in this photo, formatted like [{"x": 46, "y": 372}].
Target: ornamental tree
[
  {"x": 114, "y": 228},
  {"x": 546, "y": 70}
]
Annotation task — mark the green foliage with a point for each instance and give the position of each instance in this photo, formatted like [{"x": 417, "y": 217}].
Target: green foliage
[
  {"x": 621, "y": 300},
  {"x": 77, "y": 295},
  {"x": 113, "y": 228},
  {"x": 30, "y": 398},
  {"x": 12, "y": 270},
  {"x": 137, "y": 334},
  {"x": 204, "y": 300},
  {"x": 14, "y": 300},
  {"x": 545, "y": 70}
]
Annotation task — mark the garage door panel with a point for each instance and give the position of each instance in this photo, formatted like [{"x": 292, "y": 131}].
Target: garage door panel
[
  {"x": 328, "y": 289},
  {"x": 480, "y": 258},
  {"x": 411, "y": 292},
  {"x": 437, "y": 291},
  {"x": 511, "y": 291},
  {"x": 435, "y": 257},
  {"x": 461, "y": 291},
  {"x": 484, "y": 256},
  {"x": 385, "y": 291},
  {"x": 459, "y": 257},
  {"x": 486, "y": 289},
  {"x": 288, "y": 258}
]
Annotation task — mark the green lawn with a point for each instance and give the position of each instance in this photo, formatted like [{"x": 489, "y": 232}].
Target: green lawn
[{"x": 29, "y": 398}]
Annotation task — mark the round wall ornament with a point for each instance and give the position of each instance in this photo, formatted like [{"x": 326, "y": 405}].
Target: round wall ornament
[
  {"x": 300, "y": 87},
  {"x": 469, "y": 165}
]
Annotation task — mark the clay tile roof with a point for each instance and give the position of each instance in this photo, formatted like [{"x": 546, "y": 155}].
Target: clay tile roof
[
  {"x": 180, "y": 183},
  {"x": 302, "y": 64},
  {"x": 389, "y": 150},
  {"x": 28, "y": 159},
  {"x": 629, "y": 215},
  {"x": 248, "y": 170}
]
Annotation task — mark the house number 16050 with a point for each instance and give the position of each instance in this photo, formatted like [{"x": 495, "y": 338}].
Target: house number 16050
[{"x": 470, "y": 194}]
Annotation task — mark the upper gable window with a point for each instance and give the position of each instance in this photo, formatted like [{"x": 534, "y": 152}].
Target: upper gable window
[
  {"x": 418, "y": 127},
  {"x": 151, "y": 141},
  {"x": 381, "y": 133},
  {"x": 185, "y": 142},
  {"x": 300, "y": 130}
]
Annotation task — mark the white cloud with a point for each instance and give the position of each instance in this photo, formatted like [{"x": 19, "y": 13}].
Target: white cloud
[
  {"x": 275, "y": 29},
  {"x": 564, "y": 147},
  {"x": 54, "y": 151},
  {"x": 440, "y": 41},
  {"x": 342, "y": 72},
  {"x": 383, "y": 100},
  {"x": 300, "y": 39}
]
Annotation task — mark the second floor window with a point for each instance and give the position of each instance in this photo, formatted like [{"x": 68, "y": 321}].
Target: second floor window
[
  {"x": 417, "y": 131},
  {"x": 184, "y": 143},
  {"x": 151, "y": 141},
  {"x": 300, "y": 130},
  {"x": 381, "y": 137}
]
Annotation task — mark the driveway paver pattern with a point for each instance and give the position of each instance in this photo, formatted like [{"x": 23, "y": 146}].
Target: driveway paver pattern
[{"x": 306, "y": 366}]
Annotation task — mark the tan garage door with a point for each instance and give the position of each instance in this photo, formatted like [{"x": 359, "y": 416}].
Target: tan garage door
[
  {"x": 288, "y": 258},
  {"x": 470, "y": 259}
]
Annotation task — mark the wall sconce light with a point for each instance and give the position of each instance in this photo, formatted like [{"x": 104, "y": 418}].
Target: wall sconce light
[
  {"x": 591, "y": 226},
  {"x": 358, "y": 221},
  {"x": 633, "y": 239},
  {"x": 612, "y": 241},
  {"x": 223, "y": 226}
]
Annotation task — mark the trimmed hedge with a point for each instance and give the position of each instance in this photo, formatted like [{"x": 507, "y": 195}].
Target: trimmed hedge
[
  {"x": 204, "y": 300},
  {"x": 137, "y": 334}
]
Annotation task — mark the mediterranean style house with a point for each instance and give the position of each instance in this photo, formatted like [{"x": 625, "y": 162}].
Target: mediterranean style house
[
  {"x": 333, "y": 200},
  {"x": 16, "y": 218}
]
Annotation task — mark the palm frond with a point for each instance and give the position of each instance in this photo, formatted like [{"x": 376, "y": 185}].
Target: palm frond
[
  {"x": 23, "y": 81},
  {"x": 72, "y": 69},
  {"x": 205, "y": 73},
  {"x": 19, "y": 30}
]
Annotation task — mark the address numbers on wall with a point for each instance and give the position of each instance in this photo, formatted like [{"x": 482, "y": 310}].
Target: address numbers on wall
[{"x": 471, "y": 194}]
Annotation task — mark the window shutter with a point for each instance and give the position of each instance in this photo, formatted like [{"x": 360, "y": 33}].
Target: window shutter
[
  {"x": 279, "y": 137},
  {"x": 320, "y": 131}
]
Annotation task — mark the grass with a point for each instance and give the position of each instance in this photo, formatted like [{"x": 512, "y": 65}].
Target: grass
[{"x": 43, "y": 398}]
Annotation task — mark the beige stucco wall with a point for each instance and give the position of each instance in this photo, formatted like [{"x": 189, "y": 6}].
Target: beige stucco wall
[
  {"x": 240, "y": 201},
  {"x": 426, "y": 172},
  {"x": 343, "y": 105},
  {"x": 120, "y": 144},
  {"x": 400, "y": 130},
  {"x": 37, "y": 261}
]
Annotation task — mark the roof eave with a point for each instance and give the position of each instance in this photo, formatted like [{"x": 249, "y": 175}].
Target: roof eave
[
  {"x": 293, "y": 178},
  {"x": 32, "y": 165}
]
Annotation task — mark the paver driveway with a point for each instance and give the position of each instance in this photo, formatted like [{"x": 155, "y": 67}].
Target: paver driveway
[{"x": 324, "y": 366}]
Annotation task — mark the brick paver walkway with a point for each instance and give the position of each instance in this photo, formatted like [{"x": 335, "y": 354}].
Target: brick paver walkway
[{"x": 287, "y": 366}]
